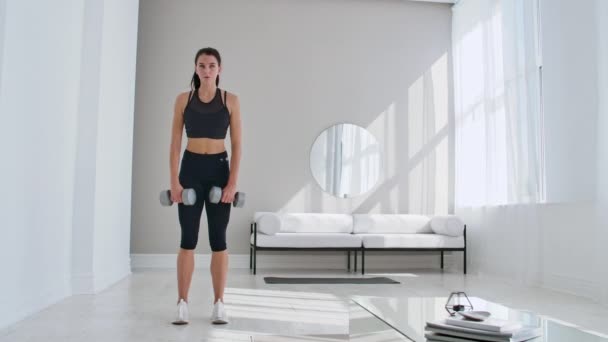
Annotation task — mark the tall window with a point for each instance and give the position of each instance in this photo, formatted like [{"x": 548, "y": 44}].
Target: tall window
[{"x": 497, "y": 97}]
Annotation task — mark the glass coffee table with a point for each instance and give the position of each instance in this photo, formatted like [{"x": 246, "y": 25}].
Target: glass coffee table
[{"x": 408, "y": 316}]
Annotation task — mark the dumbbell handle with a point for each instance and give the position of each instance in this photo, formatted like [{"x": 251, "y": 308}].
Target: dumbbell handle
[
  {"x": 215, "y": 195},
  {"x": 188, "y": 197}
]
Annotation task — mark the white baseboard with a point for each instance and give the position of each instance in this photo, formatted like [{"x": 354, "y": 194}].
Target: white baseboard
[
  {"x": 557, "y": 282},
  {"x": 92, "y": 283},
  {"x": 34, "y": 303},
  {"x": 109, "y": 277},
  {"x": 576, "y": 286},
  {"x": 308, "y": 260}
]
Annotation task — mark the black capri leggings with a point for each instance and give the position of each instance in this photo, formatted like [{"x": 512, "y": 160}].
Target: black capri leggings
[{"x": 201, "y": 172}]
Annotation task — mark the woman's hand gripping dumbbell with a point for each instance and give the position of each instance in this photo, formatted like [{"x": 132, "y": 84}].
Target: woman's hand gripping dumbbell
[
  {"x": 215, "y": 195},
  {"x": 188, "y": 197}
]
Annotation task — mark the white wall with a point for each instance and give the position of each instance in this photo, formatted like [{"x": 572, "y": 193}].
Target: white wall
[
  {"x": 569, "y": 48},
  {"x": 2, "y": 30},
  {"x": 64, "y": 81},
  {"x": 558, "y": 245},
  {"x": 115, "y": 142},
  {"x": 602, "y": 153},
  {"x": 298, "y": 68},
  {"x": 103, "y": 195},
  {"x": 39, "y": 102},
  {"x": 570, "y": 90},
  {"x": 538, "y": 244},
  {"x": 85, "y": 175}
]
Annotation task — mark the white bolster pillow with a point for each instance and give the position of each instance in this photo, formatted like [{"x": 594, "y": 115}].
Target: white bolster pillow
[
  {"x": 449, "y": 225},
  {"x": 269, "y": 223}
]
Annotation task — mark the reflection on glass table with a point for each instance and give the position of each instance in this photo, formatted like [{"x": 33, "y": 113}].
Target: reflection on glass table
[{"x": 409, "y": 316}]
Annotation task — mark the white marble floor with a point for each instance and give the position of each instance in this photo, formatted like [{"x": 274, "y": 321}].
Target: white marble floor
[{"x": 140, "y": 308}]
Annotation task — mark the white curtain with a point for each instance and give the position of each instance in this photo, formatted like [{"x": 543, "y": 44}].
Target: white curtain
[
  {"x": 497, "y": 97},
  {"x": 353, "y": 160},
  {"x": 360, "y": 160}
]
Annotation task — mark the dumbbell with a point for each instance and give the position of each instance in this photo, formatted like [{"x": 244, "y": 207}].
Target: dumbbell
[
  {"x": 215, "y": 195},
  {"x": 188, "y": 197}
]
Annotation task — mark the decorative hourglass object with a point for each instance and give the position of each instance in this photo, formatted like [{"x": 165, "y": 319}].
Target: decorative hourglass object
[{"x": 458, "y": 302}]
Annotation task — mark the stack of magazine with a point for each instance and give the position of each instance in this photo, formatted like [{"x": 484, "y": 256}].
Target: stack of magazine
[{"x": 459, "y": 329}]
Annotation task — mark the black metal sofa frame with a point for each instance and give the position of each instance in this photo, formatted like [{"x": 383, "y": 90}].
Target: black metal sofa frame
[{"x": 254, "y": 248}]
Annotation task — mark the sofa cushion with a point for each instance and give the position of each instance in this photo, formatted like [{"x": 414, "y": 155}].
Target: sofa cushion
[
  {"x": 411, "y": 241},
  {"x": 268, "y": 223},
  {"x": 449, "y": 225},
  {"x": 258, "y": 214},
  {"x": 391, "y": 223},
  {"x": 316, "y": 223},
  {"x": 308, "y": 240}
]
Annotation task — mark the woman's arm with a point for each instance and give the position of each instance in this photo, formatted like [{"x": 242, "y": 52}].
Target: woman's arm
[
  {"x": 235, "y": 138},
  {"x": 176, "y": 137}
]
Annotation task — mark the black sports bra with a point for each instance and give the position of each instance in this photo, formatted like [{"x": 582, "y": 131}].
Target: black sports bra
[{"x": 206, "y": 120}]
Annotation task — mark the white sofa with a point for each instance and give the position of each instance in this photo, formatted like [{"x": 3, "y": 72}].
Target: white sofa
[{"x": 355, "y": 233}]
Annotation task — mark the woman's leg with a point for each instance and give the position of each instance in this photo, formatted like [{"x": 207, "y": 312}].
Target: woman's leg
[
  {"x": 185, "y": 268},
  {"x": 218, "y": 216},
  {"x": 189, "y": 218},
  {"x": 219, "y": 274}
]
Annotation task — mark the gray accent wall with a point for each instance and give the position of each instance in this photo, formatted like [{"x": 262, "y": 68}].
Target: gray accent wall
[{"x": 298, "y": 67}]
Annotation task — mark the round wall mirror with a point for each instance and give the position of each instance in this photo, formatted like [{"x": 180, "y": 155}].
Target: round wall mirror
[{"x": 345, "y": 160}]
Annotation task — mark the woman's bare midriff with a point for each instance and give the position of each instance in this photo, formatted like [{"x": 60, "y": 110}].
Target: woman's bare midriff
[{"x": 205, "y": 145}]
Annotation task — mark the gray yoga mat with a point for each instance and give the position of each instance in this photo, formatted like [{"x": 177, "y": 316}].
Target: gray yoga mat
[{"x": 374, "y": 280}]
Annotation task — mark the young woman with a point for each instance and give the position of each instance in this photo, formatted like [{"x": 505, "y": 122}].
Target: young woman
[{"x": 206, "y": 112}]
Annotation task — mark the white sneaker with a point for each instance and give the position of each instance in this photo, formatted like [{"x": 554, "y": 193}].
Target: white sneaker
[
  {"x": 182, "y": 313},
  {"x": 218, "y": 316}
]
